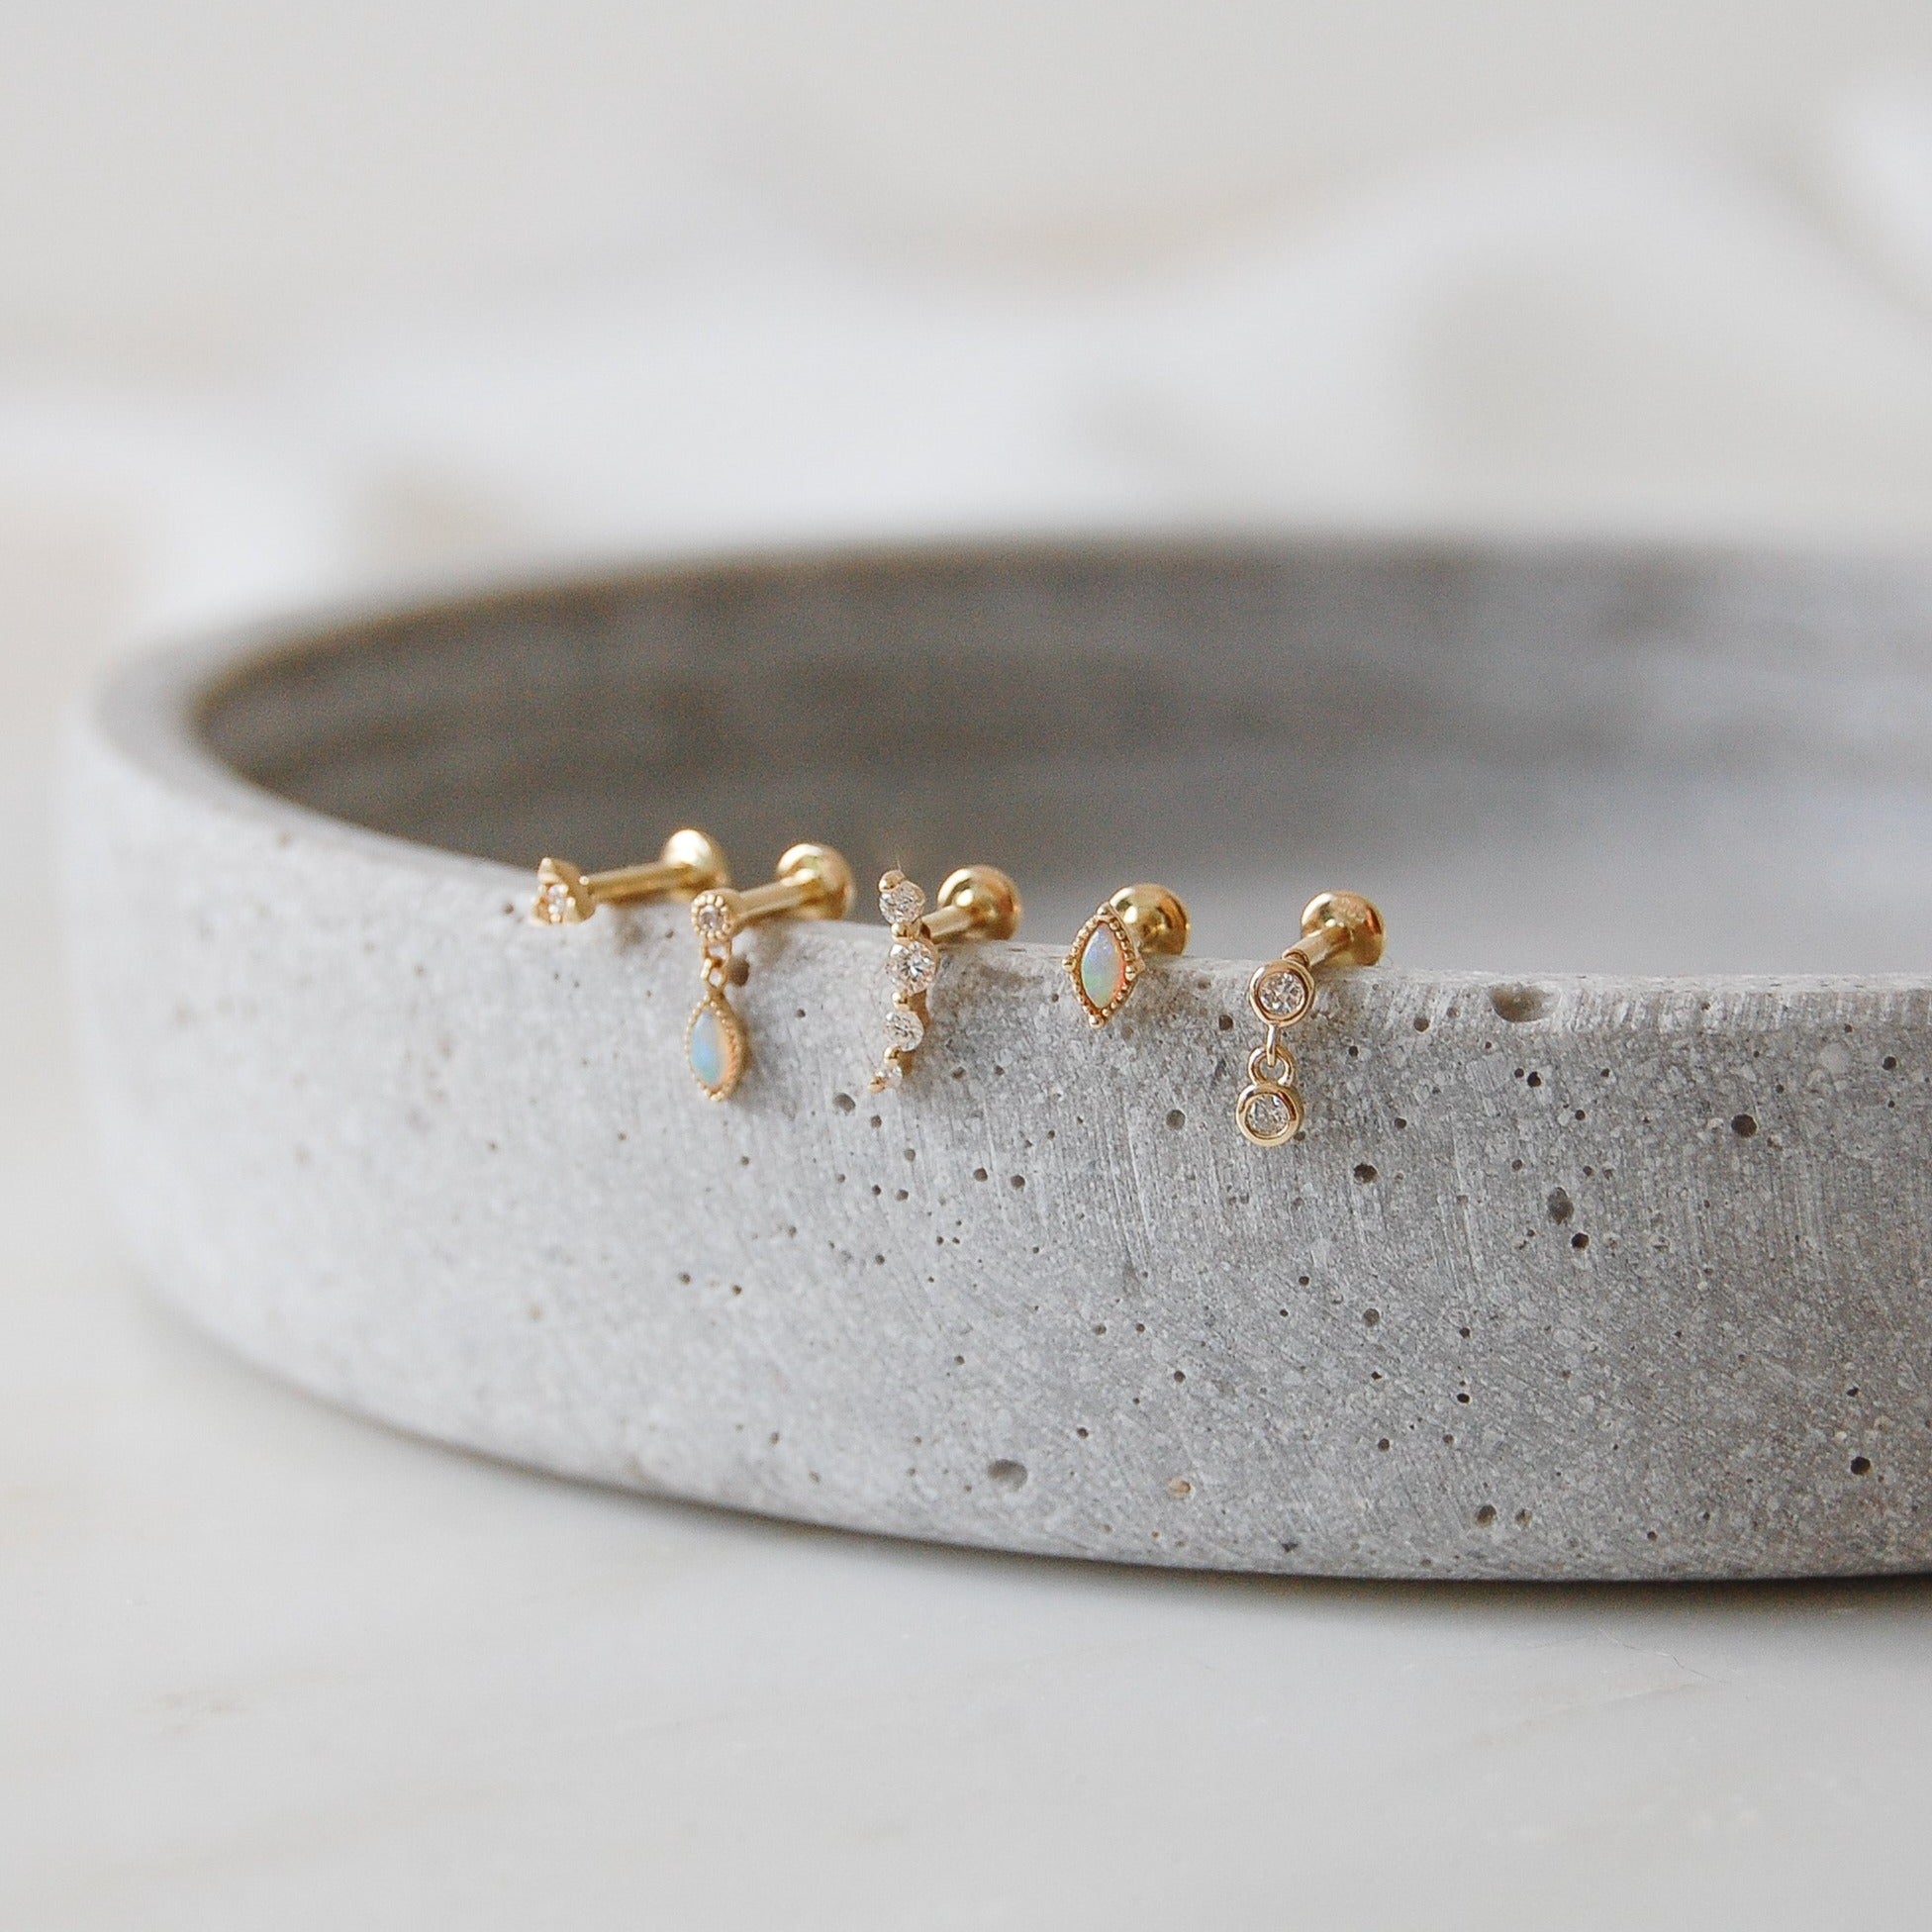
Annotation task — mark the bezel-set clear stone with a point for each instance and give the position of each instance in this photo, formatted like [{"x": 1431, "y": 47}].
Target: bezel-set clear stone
[
  {"x": 900, "y": 903},
  {"x": 711, "y": 916},
  {"x": 1281, "y": 995},
  {"x": 1268, "y": 1114},
  {"x": 903, "y": 1029},
  {"x": 913, "y": 964}
]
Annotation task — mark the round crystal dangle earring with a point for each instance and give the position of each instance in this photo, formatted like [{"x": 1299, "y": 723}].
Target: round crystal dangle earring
[{"x": 1338, "y": 928}]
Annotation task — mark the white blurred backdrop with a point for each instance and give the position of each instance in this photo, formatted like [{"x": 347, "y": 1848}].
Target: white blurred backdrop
[{"x": 297, "y": 300}]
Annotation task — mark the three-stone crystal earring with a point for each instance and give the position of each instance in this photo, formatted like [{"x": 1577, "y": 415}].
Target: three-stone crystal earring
[
  {"x": 1338, "y": 928},
  {"x": 813, "y": 882},
  {"x": 1105, "y": 960},
  {"x": 978, "y": 901},
  {"x": 691, "y": 862}
]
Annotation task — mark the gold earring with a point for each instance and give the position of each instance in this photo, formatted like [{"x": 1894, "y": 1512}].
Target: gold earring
[
  {"x": 813, "y": 882},
  {"x": 1105, "y": 960},
  {"x": 978, "y": 901},
  {"x": 1338, "y": 928},
  {"x": 691, "y": 862}
]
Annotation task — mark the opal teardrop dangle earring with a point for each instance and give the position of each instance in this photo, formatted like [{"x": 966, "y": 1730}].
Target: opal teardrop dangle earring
[{"x": 1338, "y": 928}]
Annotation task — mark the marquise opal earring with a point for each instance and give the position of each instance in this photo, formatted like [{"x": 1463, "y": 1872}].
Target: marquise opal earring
[
  {"x": 691, "y": 862},
  {"x": 978, "y": 901},
  {"x": 1338, "y": 928},
  {"x": 1106, "y": 958},
  {"x": 813, "y": 882}
]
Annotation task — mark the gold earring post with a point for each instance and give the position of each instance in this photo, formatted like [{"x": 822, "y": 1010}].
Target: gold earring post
[
  {"x": 812, "y": 882},
  {"x": 1341, "y": 928},
  {"x": 691, "y": 862},
  {"x": 1155, "y": 919},
  {"x": 977, "y": 902}
]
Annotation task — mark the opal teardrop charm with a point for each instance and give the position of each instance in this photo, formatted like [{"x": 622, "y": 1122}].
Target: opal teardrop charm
[{"x": 715, "y": 1045}]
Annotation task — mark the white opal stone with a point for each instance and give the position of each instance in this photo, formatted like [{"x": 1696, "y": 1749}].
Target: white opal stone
[
  {"x": 712, "y": 1049},
  {"x": 1102, "y": 968}
]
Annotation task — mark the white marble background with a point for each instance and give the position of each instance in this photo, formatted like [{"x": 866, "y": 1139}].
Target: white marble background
[{"x": 298, "y": 300}]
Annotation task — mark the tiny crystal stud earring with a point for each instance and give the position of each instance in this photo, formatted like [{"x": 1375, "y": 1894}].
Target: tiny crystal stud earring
[
  {"x": 1338, "y": 928},
  {"x": 978, "y": 901},
  {"x": 691, "y": 862},
  {"x": 1105, "y": 960},
  {"x": 813, "y": 882}
]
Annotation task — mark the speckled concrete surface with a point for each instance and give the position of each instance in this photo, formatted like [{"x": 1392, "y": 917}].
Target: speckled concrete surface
[{"x": 1570, "y": 1275}]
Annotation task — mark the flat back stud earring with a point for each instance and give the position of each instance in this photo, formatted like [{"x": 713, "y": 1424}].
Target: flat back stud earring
[
  {"x": 978, "y": 901},
  {"x": 1105, "y": 960},
  {"x": 691, "y": 862},
  {"x": 1338, "y": 928},
  {"x": 813, "y": 882}
]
